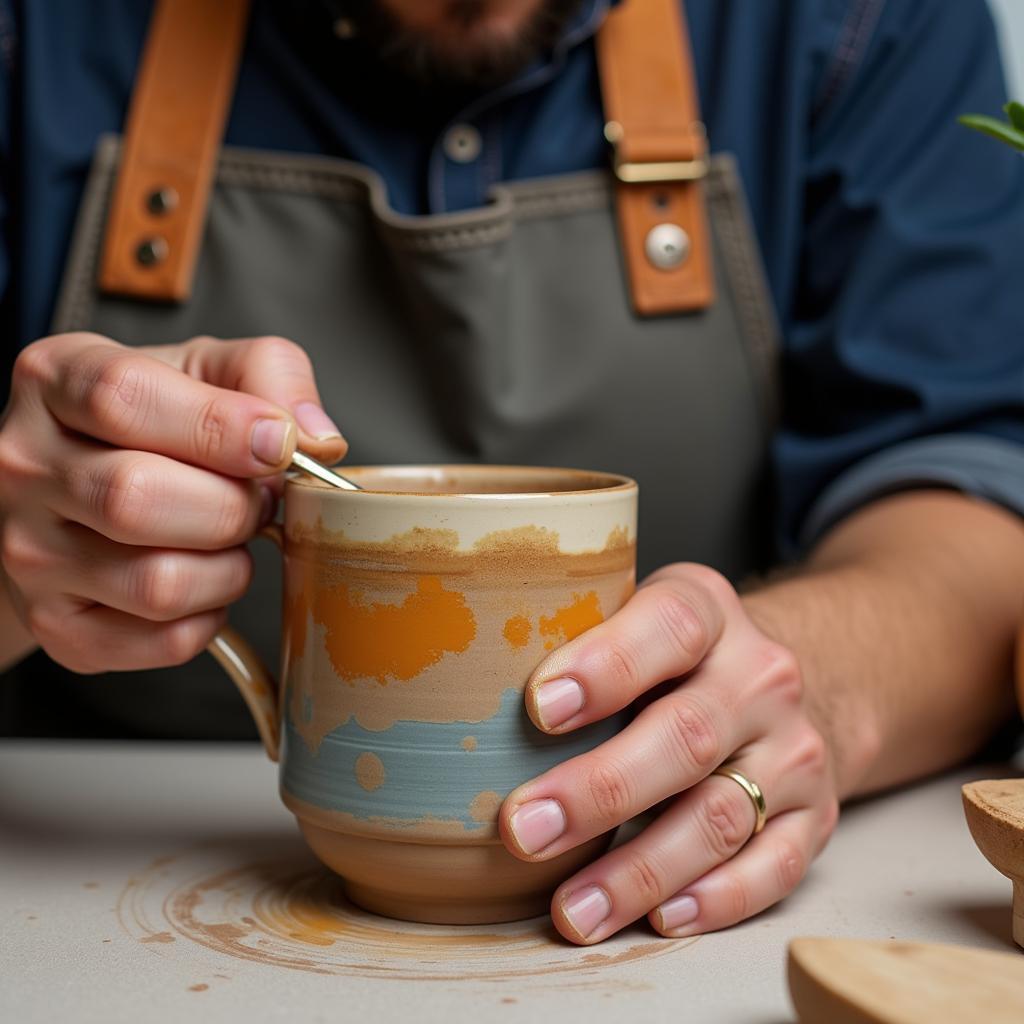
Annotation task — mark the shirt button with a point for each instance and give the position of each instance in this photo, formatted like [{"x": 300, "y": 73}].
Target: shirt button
[{"x": 462, "y": 143}]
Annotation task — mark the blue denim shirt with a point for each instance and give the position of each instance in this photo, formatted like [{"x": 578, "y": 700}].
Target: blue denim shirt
[{"x": 892, "y": 237}]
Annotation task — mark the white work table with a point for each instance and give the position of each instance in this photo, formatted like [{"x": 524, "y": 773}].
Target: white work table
[{"x": 154, "y": 882}]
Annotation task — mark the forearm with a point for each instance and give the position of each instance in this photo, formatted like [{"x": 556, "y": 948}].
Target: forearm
[
  {"x": 903, "y": 620},
  {"x": 15, "y": 640}
]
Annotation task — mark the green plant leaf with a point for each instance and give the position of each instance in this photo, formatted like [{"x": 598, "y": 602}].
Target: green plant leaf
[
  {"x": 997, "y": 129},
  {"x": 1015, "y": 112}
]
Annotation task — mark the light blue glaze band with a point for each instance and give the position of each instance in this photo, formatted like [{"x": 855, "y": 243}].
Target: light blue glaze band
[{"x": 426, "y": 769}]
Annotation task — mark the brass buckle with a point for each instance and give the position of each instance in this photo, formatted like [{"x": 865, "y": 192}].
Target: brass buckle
[{"x": 655, "y": 171}]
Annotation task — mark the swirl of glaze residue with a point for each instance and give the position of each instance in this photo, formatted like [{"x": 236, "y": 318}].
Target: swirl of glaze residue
[{"x": 287, "y": 911}]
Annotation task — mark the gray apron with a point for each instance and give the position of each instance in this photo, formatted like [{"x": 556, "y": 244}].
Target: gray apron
[{"x": 502, "y": 334}]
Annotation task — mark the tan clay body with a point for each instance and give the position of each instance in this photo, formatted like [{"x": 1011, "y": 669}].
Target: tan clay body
[{"x": 415, "y": 612}]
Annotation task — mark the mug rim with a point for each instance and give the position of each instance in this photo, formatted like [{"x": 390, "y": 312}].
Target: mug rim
[{"x": 618, "y": 482}]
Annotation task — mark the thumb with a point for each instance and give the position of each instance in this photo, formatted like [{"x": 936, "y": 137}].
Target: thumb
[{"x": 269, "y": 367}]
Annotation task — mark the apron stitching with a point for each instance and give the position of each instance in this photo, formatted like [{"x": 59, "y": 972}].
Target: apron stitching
[{"x": 519, "y": 202}]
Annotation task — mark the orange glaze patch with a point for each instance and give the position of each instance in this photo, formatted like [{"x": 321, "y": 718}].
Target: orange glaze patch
[
  {"x": 568, "y": 622},
  {"x": 388, "y": 641},
  {"x": 517, "y": 631},
  {"x": 296, "y": 611}
]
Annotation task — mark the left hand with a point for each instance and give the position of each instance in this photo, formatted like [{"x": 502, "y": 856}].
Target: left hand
[{"x": 735, "y": 696}]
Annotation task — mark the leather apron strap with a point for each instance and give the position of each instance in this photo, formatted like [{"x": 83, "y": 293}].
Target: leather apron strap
[
  {"x": 183, "y": 93},
  {"x": 660, "y": 155},
  {"x": 172, "y": 136}
]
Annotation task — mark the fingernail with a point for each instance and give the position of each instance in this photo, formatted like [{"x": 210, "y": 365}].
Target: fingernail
[
  {"x": 315, "y": 422},
  {"x": 557, "y": 701},
  {"x": 676, "y": 912},
  {"x": 270, "y": 440},
  {"x": 537, "y": 824},
  {"x": 268, "y": 505},
  {"x": 586, "y": 908}
]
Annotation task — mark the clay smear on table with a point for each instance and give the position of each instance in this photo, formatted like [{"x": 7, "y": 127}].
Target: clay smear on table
[
  {"x": 284, "y": 910},
  {"x": 397, "y": 623}
]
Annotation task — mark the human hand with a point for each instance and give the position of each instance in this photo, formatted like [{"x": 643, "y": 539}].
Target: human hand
[
  {"x": 733, "y": 695},
  {"x": 130, "y": 479}
]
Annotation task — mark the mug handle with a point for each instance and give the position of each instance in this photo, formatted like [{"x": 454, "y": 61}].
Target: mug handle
[{"x": 246, "y": 670}]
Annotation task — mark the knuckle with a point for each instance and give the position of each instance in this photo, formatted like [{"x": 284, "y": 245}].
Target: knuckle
[
  {"x": 163, "y": 587},
  {"x": 790, "y": 865},
  {"x": 779, "y": 672},
  {"x": 810, "y": 752},
  {"x": 238, "y": 574},
  {"x": 119, "y": 395},
  {"x": 610, "y": 792},
  {"x": 725, "y": 822},
  {"x": 123, "y": 499},
  {"x": 183, "y": 640},
  {"x": 33, "y": 365},
  {"x": 233, "y": 520},
  {"x": 718, "y": 587},
  {"x": 14, "y": 472},
  {"x": 691, "y": 736},
  {"x": 620, "y": 666},
  {"x": 646, "y": 881},
  {"x": 211, "y": 429},
  {"x": 281, "y": 352},
  {"x": 20, "y": 554},
  {"x": 682, "y": 623},
  {"x": 60, "y": 635},
  {"x": 735, "y": 897}
]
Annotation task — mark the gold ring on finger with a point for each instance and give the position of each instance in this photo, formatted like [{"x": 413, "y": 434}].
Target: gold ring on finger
[{"x": 752, "y": 789}]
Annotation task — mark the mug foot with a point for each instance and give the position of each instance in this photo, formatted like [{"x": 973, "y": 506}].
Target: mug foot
[
  {"x": 444, "y": 883},
  {"x": 428, "y": 911}
]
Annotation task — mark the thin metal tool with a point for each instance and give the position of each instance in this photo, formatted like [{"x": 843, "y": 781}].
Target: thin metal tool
[{"x": 300, "y": 460}]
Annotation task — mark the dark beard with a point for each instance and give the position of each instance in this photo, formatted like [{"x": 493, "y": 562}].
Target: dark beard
[{"x": 418, "y": 56}]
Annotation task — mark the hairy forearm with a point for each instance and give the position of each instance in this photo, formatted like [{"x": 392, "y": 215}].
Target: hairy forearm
[
  {"x": 15, "y": 640},
  {"x": 903, "y": 619}
]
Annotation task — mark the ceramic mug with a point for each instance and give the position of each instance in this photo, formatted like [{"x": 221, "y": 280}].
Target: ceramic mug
[{"x": 415, "y": 611}]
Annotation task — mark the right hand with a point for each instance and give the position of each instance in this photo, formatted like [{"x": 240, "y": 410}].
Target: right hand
[{"x": 130, "y": 480}]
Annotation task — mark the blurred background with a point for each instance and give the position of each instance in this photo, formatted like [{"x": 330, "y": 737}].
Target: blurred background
[{"x": 1010, "y": 15}]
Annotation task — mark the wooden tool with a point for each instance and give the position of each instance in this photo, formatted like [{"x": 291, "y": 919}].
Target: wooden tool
[
  {"x": 995, "y": 816},
  {"x": 856, "y": 981}
]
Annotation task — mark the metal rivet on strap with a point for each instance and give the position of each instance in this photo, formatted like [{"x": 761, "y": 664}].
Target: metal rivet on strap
[
  {"x": 161, "y": 200},
  {"x": 667, "y": 245},
  {"x": 462, "y": 143},
  {"x": 152, "y": 250}
]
